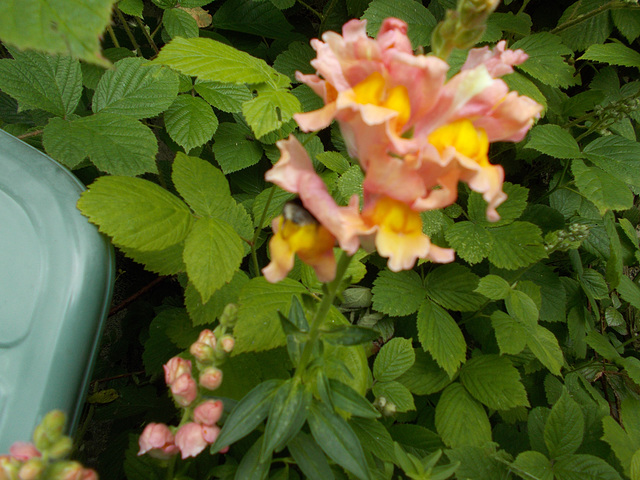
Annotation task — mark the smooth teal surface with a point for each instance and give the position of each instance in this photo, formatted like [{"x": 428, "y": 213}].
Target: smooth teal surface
[{"x": 56, "y": 280}]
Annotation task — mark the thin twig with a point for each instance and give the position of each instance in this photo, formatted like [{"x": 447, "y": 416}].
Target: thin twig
[
  {"x": 136, "y": 295},
  {"x": 112, "y": 34},
  {"x": 30, "y": 134},
  {"x": 132, "y": 39},
  {"x": 143, "y": 27}
]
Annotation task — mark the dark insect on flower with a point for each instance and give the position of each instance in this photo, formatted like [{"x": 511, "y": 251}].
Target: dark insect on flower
[{"x": 296, "y": 213}]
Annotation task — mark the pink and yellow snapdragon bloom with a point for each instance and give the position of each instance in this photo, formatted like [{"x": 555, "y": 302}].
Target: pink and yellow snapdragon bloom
[{"x": 415, "y": 134}]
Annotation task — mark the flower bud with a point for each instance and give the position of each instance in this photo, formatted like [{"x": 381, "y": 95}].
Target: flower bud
[
  {"x": 208, "y": 338},
  {"x": 8, "y": 468},
  {"x": 53, "y": 422},
  {"x": 190, "y": 440},
  {"x": 184, "y": 390},
  {"x": 158, "y": 441},
  {"x": 23, "y": 451},
  {"x": 209, "y": 412},
  {"x": 68, "y": 470},
  {"x": 89, "y": 474},
  {"x": 175, "y": 368},
  {"x": 227, "y": 342},
  {"x": 211, "y": 378},
  {"x": 61, "y": 448},
  {"x": 32, "y": 469},
  {"x": 203, "y": 352},
  {"x": 210, "y": 433},
  {"x": 229, "y": 315}
]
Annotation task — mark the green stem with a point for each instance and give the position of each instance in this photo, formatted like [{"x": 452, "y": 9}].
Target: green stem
[
  {"x": 603, "y": 8},
  {"x": 254, "y": 253},
  {"x": 112, "y": 34},
  {"x": 143, "y": 27},
  {"x": 124, "y": 23},
  {"x": 171, "y": 467},
  {"x": 312, "y": 10},
  {"x": 323, "y": 310}
]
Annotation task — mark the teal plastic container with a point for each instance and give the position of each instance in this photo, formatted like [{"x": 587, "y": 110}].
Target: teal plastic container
[{"x": 56, "y": 283}]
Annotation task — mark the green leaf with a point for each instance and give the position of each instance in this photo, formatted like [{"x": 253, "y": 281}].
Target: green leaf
[
  {"x": 594, "y": 284},
  {"x": 613, "y": 54},
  {"x": 534, "y": 464},
  {"x": 546, "y": 62},
  {"x": 337, "y": 439},
  {"x": 494, "y": 287},
  {"x": 425, "y": 376},
  {"x": 629, "y": 291},
  {"x": 350, "y": 182},
  {"x": 212, "y": 254},
  {"x": 516, "y": 245},
  {"x": 190, "y": 121},
  {"x": 227, "y": 97},
  {"x": 564, "y": 429},
  {"x": 36, "y": 80},
  {"x": 420, "y": 20},
  {"x": 257, "y": 306},
  {"x": 270, "y": 110},
  {"x": 615, "y": 262},
  {"x": 471, "y": 241},
  {"x": 393, "y": 359},
  {"x": 602, "y": 346},
  {"x": 309, "y": 457},
  {"x": 136, "y": 213},
  {"x": 601, "y": 188},
  {"x": 235, "y": 148},
  {"x": 452, "y": 286},
  {"x": 135, "y": 89},
  {"x": 627, "y": 21},
  {"x": 587, "y": 29},
  {"x": 167, "y": 261},
  {"x": 510, "y": 334},
  {"x": 461, "y": 420},
  {"x": 334, "y": 161},
  {"x": 115, "y": 144},
  {"x": 207, "y": 313},
  {"x": 374, "y": 438},
  {"x": 346, "y": 398},
  {"x": 494, "y": 381},
  {"x": 440, "y": 335},
  {"x": 521, "y": 84},
  {"x": 252, "y": 466},
  {"x": 554, "y": 299},
  {"x": 554, "y": 141},
  {"x": 287, "y": 415},
  {"x": 296, "y": 57},
  {"x": 522, "y": 307},
  {"x": 57, "y": 26},
  {"x": 617, "y": 156},
  {"x": 202, "y": 185},
  {"x": 397, "y": 294},
  {"x": 544, "y": 345},
  {"x": 395, "y": 393},
  {"x": 261, "y": 19},
  {"x": 622, "y": 445},
  {"x": 180, "y": 23},
  {"x": 350, "y": 335},
  {"x": 583, "y": 467},
  {"x": 212, "y": 60},
  {"x": 131, "y": 7},
  {"x": 247, "y": 414}
]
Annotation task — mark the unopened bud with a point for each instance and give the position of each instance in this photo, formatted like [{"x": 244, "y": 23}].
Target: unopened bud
[
  {"x": 8, "y": 468},
  {"x": 66, "y": 471},
  {"x": 54, "y": 422},
  {"x": 32, "y": 469},
  {"x": 211, "y": 378},
  {"x": 202, "y": 352},
  {"x": 229, "y": 315},
  {"x": 227, "y": 342},
  {"x": 61, "y": 448}
]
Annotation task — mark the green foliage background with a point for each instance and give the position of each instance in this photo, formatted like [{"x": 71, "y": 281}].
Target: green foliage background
[{"x": 519, "y": 360}]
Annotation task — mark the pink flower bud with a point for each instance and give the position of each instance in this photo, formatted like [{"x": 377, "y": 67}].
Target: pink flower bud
[
  {"x": 202, "y": 351},
  {"x": 227, "y": 343},
  {"x": 209, "y": 412},
  {"x": 190, "y": 440},
  {"x": 208, "y": 338},
  {"x": 158, "y": 441},
  {"x": 210, "y": 433},
  {"x": 175, "y": 368},
  {"x": 90, "y": 474},
  {"x": 211, "y": 378},
  {"x": 23, "y": 451},
  {"x": 185, "y": 390},
  {"x": 66, "y": 471}
]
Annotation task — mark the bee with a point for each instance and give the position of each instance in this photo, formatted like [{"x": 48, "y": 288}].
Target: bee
[{"x": 294, "y": 212}]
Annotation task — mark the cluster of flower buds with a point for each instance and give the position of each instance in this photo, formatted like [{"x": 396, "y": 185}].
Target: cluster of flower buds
[
  {"x": 190, "y": 439},
  {"x": 44, "y": 458},
  {"x": 200, "y": 414},
  {"x": 563, "y": 240}
]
